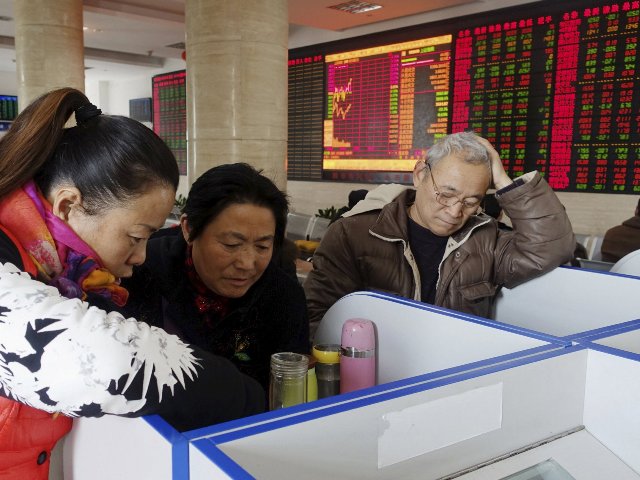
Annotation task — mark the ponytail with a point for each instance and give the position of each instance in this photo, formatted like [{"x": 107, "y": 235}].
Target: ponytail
[{"x": 34, "y": 135}]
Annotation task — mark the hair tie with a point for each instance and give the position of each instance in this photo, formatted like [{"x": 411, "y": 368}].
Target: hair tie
[{"x": 86, "y": 112}]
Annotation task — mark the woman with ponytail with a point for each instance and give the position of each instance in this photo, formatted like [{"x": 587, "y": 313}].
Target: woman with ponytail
[{"x": 77, "y": 206}]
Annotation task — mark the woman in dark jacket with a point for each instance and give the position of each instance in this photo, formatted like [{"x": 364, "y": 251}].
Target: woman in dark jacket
[{"x": 213, "y": 282}]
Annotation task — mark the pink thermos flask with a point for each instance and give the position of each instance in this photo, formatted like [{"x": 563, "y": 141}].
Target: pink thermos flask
[{"x": 357, "y": 355}]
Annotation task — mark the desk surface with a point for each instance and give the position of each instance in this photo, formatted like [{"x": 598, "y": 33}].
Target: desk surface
[{"x": 579, "y": 453}]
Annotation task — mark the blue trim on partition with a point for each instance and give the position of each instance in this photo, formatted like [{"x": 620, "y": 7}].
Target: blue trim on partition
[
  {"x": 221, "y": 460},
  {"x": 364, "y": 397},
  {"x": 613, "y": 351},
  {"x": 232, "y": 424},
  {"x": 607, "y": 331},
  {"x": 507, "y": 357},
  {"x": 161, "y": 426},
  {"x": 463, "y": 316},
  {"x": 179, "y": 446}
]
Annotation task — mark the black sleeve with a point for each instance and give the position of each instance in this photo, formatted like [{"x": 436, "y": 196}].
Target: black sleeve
[
  {"x": 8, "y": 251},
  {"x": 220, "y": 393},
  {"x": 297, "y": 310},
  {"x": 289, "y": 309}
]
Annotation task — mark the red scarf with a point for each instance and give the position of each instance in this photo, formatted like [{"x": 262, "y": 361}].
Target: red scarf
[
  {"x": 63, "y": 260},
  {"x": 206, "y": 300}
]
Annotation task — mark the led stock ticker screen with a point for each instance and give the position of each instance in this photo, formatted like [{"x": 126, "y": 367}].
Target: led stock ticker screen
[
  {"x": 385, "y": 105},
  {"x": 557, "y": 91}
]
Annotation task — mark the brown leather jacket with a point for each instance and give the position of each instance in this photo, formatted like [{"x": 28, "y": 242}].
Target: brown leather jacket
[
  {"x": 370, "y": 251},
  {"x": 621, "y": 240}
]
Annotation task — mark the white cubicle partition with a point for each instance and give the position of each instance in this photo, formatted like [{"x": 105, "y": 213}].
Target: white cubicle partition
[
  {"x": 493, "y": 389},
  {"x": 568, "y": 301},
  {"x": 111, "y": 447},
  {"x": 481, "y": 424},
  {"x": 413, "y": 338}
]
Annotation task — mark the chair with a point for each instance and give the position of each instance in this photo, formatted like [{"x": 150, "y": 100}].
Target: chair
[
  {"x": 298, "y": 225},
  {"x": 594, "y": 247},
  {"x": 583, "y": 239},
  {"x": 595, "y": 264},
  {"x": 629, "y": 264},
  {"x": 318, "y": 228}
]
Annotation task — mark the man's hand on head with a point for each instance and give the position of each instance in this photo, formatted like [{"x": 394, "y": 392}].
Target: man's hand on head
[{"x": 498, "y": 174}]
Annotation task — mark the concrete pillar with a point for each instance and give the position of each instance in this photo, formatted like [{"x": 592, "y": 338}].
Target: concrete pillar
[
  {"x": 237, "y": 85},
  {"x": 49, "y": 47}
]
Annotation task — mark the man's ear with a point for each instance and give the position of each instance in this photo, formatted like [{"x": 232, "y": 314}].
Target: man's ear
[
  {"x": 184, "y": 225},
  {"x": 419, "y": 172},
  {"x": 66, "y": 201}
]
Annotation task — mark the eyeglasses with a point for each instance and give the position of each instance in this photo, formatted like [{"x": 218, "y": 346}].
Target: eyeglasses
[{"x": 449, "y": 200}]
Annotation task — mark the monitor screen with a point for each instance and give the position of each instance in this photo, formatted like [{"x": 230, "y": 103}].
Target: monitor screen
[
  {"x": 140, "y": 109},
  {"x": 385, "y": 106},
  {"x": 8, "y": 107}
]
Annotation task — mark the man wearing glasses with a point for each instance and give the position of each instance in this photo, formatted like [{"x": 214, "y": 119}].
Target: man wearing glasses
[{"x": 433, "y": 243}]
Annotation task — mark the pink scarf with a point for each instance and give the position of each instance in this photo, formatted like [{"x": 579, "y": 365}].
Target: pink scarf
[{"x": 63, "y": 260}]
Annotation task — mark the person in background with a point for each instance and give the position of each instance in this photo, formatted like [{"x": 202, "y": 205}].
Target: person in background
[
  {"x": 431, "y": 243},
  {"x": 622, "y": 239},
  {"x": 77, "y": 206},
  {"x": 213, "y": 281},
  {"x": 580, "y": 252},
  {"x": 355, "y": 196}
]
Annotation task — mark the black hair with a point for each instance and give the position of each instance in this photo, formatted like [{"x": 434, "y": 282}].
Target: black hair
[
  {"x": 355, "y": 196},
  {"x": 110, "y": 159},
  {"x": 235, "y": 183}
]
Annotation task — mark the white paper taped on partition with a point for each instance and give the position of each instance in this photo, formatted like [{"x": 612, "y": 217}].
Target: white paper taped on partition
[{"x": 433, "y": 425}]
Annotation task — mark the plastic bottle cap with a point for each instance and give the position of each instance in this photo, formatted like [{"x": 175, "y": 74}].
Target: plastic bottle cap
[
  {"x": 289, "y": 363},
  {"x": 358, "y": 334},
  {"x": 326, "y": 353}
]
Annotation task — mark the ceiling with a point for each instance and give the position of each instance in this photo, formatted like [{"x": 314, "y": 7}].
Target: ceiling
[
  {"x": 126, "y": 37},
  {"x": 317, "y": 14}
]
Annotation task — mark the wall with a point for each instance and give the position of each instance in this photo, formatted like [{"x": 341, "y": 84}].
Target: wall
[
  {"x": 9, "y": 83},
  {"x": 590, "y": 213},
  {"x": 113, "y": 96}
]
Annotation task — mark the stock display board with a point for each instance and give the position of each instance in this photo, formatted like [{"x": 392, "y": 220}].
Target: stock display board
[
  {"x": 385, "y": 105},
  {"x": 8, "y": 107},
  {"x": 553, "y": 85},
  {"x": 8, "y": 111},
  {"x": 170, "y": 113},
  {"x": 305, "y": 94}
]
